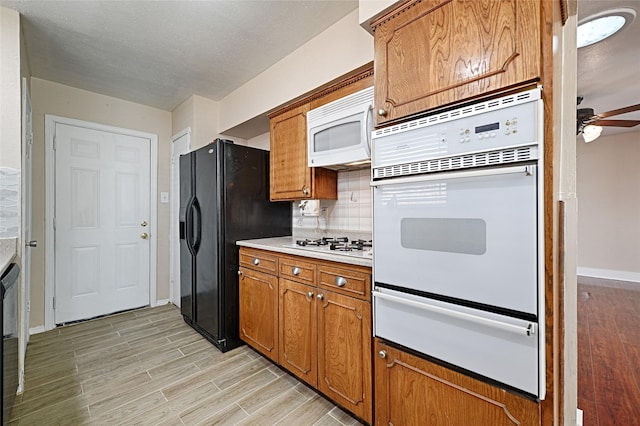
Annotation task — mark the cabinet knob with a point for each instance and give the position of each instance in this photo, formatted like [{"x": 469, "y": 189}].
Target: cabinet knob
[
  {"x": 320, "y": 296},
  {"x": 382, "y": 354},
  {"x": 310, "y": 294},
  {"x": 256, "y": 261},
  {"x": 341, "y": 281},
  {"x": 295, "y": 270},
  {"x": 382, "y": 112},
  {"x": 239, "y": 273},
  {"x": 305, "y": 190}
]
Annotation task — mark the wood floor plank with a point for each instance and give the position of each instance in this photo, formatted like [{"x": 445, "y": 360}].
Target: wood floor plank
[{"x": 148, "y": 367}]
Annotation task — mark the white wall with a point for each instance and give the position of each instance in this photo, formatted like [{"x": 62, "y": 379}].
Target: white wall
[
  {"x": 52, "y": 98},
  {"x": 338, "y": 50},
  {"x": 609, "y": 207}
]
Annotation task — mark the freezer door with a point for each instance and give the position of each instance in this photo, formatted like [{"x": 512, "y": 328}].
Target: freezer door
[
  {"x": 497, "y": 347},
  {"x": 184, "y": 226}
]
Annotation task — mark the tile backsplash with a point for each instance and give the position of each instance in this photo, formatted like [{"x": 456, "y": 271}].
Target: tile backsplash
[
  {"x": 9, "y": 202},
  {"x": 350, "y": 213}
]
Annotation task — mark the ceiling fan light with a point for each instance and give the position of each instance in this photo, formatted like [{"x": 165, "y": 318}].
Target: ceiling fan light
[
  {"x": 591, "y": 132},
  {"x": 598, "y": 27}
]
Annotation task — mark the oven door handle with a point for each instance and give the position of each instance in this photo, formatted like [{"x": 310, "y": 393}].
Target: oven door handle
[
  {"x": 529, "y": 330},
  {"x": 526, "y": 170}
]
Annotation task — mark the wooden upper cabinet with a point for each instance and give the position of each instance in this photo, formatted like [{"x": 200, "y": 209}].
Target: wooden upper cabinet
[
  {"x": 433, "y": 53},
  {"x": 291, "y": 178}
]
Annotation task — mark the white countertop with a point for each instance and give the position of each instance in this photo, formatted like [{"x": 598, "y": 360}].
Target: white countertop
[
  {"x": 280, "y": 245},
  {"x": 7, "y": 252}
]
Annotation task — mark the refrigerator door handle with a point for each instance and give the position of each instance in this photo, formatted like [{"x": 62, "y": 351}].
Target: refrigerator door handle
[
  {"x": 189, "y": 227},
  {"x": 197, "y": 225}
]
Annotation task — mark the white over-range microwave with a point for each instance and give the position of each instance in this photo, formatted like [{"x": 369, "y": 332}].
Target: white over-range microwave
[{"x": 339, "y": 133}]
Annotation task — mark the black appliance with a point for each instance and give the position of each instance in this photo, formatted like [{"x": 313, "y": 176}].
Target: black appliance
[
  {"x": 224, "y": 197},
  {"x": 9, "y": 345}
]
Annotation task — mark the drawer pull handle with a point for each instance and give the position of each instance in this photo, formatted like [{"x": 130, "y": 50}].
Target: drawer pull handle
[
  {"x": 256, "y": 261},
  {"x": 295, "y": 270},
  {"x": 341, "y": 281}
]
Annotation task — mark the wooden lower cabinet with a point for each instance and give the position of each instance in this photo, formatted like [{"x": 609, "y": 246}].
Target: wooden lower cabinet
[
  {"x": 259, "y": 311},
  {"x": 298, "y": 342},
  {"x": 413, "y": 391},
  {"x": 344, "y": 352},
  {"x": 313, "y": 318}
]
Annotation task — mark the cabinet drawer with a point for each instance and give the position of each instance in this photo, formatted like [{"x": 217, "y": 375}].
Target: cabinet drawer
[
  {"x": 297, "y": 270},
  {"x": 259, "y": 260},
  {"x": 345, "y": 280}
]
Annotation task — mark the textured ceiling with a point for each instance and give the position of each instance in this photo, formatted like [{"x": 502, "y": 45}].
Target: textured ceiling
[
  {"x": 609, "y": 71},
  {"x": 159, "y": 53}
]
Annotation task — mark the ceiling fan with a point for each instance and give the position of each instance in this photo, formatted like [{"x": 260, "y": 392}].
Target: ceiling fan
[{"x": 590, "y": 124}]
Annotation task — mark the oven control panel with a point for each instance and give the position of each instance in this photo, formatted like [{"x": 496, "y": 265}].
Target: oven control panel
[{"x": 490, "y": 126}]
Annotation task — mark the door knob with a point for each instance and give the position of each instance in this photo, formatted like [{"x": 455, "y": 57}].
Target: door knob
[
  {"x": 32, "y": 243},
  {"x": 144, "y": 235},
  {"x": 144, "y": 223}
]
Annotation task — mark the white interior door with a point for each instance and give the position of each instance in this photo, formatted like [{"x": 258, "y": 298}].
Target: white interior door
[
  {"x": 181, "y": 144},
  {"x": 102, "y": 214},
  {"x": 28, "y": 244}
]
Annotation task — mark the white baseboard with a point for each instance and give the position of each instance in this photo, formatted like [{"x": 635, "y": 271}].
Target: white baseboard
[
  {"x": 36, "y": 330},
  {"x": 579, "y": 417},
  {"x": 161, "y": 302},
  {"x": 609, "y": 274}
]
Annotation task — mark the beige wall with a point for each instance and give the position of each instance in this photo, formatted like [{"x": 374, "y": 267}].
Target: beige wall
[
  {"x": 609, "y": 207},
  {"x": 57, "y": 99},
  {"x": 338, "y": 50},
  {"x": 201, "y": 115},
  {"x": 10, "y": 127}
]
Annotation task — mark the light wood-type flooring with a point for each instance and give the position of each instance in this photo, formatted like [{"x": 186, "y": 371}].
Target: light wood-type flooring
[
  {"x": 147, "y": 367},
  {"x": 608, "y": 352}
]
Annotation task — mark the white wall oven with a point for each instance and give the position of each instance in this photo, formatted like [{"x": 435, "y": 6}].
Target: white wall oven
[{"x": 457, "y": 226}]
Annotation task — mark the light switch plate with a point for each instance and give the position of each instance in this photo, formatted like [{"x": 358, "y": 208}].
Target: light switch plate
[{"x": 164, "y": 197}]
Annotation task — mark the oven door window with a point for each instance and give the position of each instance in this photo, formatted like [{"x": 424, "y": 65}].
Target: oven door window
[{"x": 472, "y": 238}]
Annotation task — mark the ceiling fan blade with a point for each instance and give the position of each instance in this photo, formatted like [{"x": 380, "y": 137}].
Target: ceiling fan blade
[
  {"x": 620, "y": 111},
  {"x": 616, "y": 123}
]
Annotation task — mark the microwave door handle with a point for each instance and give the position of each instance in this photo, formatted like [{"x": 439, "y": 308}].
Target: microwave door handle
[
  {"x": 529, "y": 330},
  {"x": 526, "y": 170},
  {"x": 368, "y": 118}
]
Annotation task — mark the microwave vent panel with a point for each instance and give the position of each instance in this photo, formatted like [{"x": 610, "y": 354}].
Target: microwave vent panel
[
  {"x": 341, "y": 105},
  {"x": 478, "y": 159}
]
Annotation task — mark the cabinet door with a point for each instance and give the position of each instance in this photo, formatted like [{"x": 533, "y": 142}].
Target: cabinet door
[
  {"x": 344, "y": 352},
  {"x": 259, "y": 311},
  {"x": 290, "y": 176},
  {"x": 298, "y": 343},
  {"x": 410, "y": 390},
  {"x": 438, "y": 52}
]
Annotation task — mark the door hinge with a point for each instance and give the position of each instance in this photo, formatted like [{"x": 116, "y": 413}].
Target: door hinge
[
  {"x": 54, "y": 303},
  {"x": 54, "y": 223},
  {"x": 54, "y": 142}
]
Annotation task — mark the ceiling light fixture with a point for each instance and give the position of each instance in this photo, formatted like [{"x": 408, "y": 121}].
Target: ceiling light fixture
[
  {"x": 598, "y": 27},
  {"x": 591, "y": 132}
]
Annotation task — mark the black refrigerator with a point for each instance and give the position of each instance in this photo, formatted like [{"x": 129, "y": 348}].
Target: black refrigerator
[{"x": 224, "y": 197}]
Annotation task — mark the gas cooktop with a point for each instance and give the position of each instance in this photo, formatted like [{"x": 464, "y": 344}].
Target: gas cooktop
[{"x": 336, "y": 245}]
